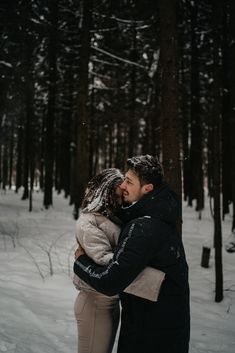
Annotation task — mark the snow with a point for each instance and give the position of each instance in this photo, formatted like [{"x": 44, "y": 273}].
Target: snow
[
  {"x": 6, "y": 64},
  {"x": 36, "y": 308},
  {"x": 154, "y": 65}
]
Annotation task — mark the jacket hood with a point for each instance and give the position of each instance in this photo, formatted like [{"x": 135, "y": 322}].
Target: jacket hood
[{"x": 161, "y": 203}]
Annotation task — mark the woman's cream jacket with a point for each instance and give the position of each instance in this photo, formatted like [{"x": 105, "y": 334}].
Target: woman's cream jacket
[{"x": 98, "y": 236}]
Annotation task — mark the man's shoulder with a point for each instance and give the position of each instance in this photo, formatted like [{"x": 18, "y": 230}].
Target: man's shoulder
[
  {"x": 143, "y": 223},
  {"x": 146, "y": 224},
  {"x": 145, "y": 220}
]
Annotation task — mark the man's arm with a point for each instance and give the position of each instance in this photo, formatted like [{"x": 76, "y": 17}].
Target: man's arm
[{"x": 130, "y": 258}]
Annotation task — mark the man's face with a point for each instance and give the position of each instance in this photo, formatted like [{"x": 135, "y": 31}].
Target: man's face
[{"x": 131, "y": 188}]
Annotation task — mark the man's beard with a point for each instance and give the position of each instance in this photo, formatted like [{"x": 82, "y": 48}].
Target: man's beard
[{"x": 125, "y": 203}]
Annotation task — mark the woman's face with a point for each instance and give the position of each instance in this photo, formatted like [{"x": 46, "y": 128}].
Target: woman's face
[{"x": 118, "y": 193}]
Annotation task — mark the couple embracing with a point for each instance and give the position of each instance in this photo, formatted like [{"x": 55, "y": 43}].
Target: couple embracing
[{"x": 130, "y": 250}]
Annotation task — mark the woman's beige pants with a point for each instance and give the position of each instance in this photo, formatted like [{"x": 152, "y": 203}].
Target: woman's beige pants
[{"x": 97, "y": 319}]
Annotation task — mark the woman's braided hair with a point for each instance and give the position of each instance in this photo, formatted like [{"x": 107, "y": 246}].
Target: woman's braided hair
[{"x": 100, "y": 195}]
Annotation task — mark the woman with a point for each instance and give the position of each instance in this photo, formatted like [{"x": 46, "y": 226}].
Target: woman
[{"x": 97, "y": 232}]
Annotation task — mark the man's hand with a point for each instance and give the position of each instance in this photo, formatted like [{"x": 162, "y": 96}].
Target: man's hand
[{"x": 78, "y": 252}]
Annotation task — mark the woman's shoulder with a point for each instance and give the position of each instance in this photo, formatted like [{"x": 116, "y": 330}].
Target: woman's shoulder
[
  {"x": 96, "y": 219},
  {"x": 91, "y": 217}
]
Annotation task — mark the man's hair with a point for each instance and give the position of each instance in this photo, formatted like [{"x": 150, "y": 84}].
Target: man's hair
[{"x": 147, "y": 168}]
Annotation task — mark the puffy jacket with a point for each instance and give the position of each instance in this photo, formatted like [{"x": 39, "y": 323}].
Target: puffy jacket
[
  {"x": 98, "y": 236},
  {"x": 149, "y": 238}
]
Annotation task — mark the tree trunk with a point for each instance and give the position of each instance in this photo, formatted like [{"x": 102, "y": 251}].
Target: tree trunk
[
  {"x": 133, "y": 125},
  {"x": 66, "y": 155},
  {"x": 28, "y": 138},
  {"x": 49, "y": 138},
  {"x": 3, "y": 103},
  {"x": 4, "y": 168},
  {"x": 217, "y": 26},
  {"x": 19, "y": 157},
  {"x": 11, "y": 150},
  {"x": 195, "y": 169},
  {"x": 226, "y": 143},
  {"x": 169, "y": 97},
  {"x": 93, "y": 130},
  {"x": 42, "y": 153},
  {"x": 82, "y": 136},
  {"x": 184, "y": 86},
  {"x": 232, "y": 99}
]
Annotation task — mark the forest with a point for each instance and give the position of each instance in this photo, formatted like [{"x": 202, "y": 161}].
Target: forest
[{"x": 86, "y": 84}]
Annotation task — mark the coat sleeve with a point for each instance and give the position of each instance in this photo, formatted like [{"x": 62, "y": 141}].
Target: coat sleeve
[
  {"x": 94, "y": 241},
  {"x": 130, "y": 258}
]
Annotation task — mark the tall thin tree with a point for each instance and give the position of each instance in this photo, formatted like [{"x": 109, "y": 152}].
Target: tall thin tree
[
  {"x": 216, "y": 116},
  {"x": 195, "y": 170},
  {"x": 50, "y": 118},
  {"x": 232, "y": 100},
  {"x": 169, "y": 94},
  {"x": 82, "y": 137}
]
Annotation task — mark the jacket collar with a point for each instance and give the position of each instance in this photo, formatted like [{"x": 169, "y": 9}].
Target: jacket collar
[{"x": 144, "y": 206}]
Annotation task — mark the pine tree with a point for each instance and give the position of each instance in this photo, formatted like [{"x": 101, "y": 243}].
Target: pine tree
[
  {"x": 82, "y": 137},
  {"x": 217, "y": 29},
  {"x": 51, "y": 106},
  {"x": 169, "y": 93}
]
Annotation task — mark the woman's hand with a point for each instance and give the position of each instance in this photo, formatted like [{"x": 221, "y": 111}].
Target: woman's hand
[{"x": 78, "y": 252}]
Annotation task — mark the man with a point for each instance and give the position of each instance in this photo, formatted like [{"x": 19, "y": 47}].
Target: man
[{"x": 149, "y": 238}]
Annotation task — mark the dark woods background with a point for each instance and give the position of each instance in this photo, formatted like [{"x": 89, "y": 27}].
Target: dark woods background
[{"x": 86, "y": 84}]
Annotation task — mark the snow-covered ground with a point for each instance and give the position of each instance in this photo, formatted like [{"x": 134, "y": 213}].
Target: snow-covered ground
[{"x": 37, "y": 294}]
